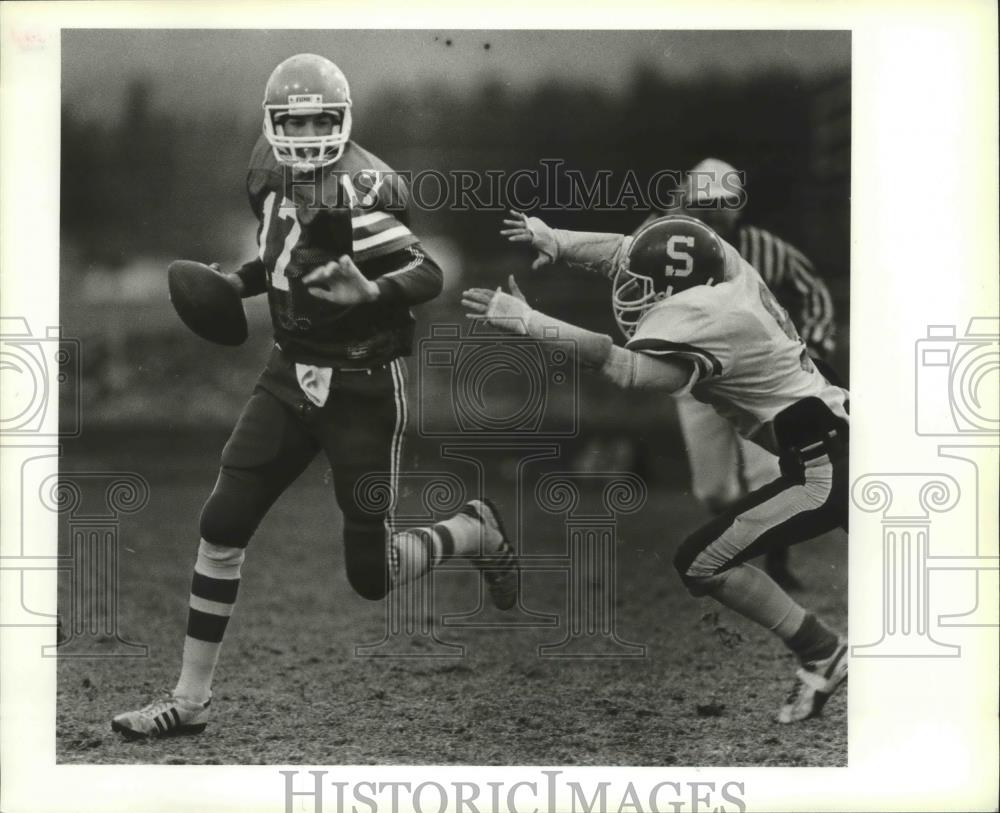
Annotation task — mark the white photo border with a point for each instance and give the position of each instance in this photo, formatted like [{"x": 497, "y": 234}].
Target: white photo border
[{"x": 922, "y": 729}]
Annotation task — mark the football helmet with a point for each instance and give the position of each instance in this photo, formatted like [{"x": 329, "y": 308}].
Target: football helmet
[
  {"x": 305, "y": 85},
  {"x": 667, "y": 256}
]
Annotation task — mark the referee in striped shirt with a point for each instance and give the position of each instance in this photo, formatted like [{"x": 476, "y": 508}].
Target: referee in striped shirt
[{"x": 724, "y": 466}]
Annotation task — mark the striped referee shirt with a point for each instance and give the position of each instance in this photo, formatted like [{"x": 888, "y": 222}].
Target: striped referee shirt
[{"x": 793, "y": 281}]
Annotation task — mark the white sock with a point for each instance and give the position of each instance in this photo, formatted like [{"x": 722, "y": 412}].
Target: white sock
[
  {"x": 753, "y": 594},
  {"x": 214, "y": 586},
  {"x": 413, "y": 552}
]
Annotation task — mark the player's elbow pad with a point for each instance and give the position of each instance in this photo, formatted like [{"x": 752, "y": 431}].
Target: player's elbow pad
[
  {"x": 636, "y": 371},
  {"x": 620, "y": 367}
]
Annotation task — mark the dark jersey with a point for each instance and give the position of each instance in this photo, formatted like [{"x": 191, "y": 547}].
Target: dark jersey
[{"x": 358, "y": 207}]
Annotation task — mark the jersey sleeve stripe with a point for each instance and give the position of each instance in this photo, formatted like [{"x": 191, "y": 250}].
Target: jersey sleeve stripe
[
  {"x": 417, "y": 259},
  {"x": 386, "y": 236},
  {"x": 660, "y": 347},
  {"x": 361, "y": 221},
  {"x": 377, "y": 227}
]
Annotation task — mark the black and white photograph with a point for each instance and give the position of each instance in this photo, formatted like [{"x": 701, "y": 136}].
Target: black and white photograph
[
  {"x": 428, "y": 401},
  {"x": 453, "y": 276}
]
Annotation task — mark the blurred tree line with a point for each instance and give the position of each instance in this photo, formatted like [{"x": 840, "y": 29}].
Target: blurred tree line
[
  {"x": 164, "y": 183},
  {"x": 150, "y": 183},
  {"x": 155, "y": 184}
]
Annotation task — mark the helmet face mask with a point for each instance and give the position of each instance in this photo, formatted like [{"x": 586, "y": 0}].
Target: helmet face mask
[
  {"x": 632, "y": 295},
  {"x": 668, "y": 256},
  {"x": 307, "y": 85}
]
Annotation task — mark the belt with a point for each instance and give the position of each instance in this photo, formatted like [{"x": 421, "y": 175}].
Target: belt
[
  {"x": 831, "y": 445},
  {"x": 368, "y": 370}
]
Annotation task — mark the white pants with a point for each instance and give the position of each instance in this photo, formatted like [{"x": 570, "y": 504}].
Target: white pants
[{"x": 724, "y": 466}]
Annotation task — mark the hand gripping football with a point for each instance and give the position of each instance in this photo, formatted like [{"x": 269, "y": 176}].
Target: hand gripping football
[{"x": 207, "y": 303}]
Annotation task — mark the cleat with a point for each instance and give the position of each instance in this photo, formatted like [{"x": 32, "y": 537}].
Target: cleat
[
  {"x": 167, "y": 717},
  {"x": 499, "y": 567},
  {"x": 815, "y": 684}
]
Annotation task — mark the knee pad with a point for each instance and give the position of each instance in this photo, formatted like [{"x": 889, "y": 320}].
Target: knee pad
[{"x": 365, "y": 559}]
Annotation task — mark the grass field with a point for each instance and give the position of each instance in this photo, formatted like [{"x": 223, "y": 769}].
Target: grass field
[{"x": 291, "y": 689}]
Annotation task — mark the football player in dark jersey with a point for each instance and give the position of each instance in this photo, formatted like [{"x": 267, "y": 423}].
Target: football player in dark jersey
[{"x": 341, "y": 270}]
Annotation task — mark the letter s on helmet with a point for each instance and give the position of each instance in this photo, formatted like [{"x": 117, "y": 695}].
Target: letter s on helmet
[
  {"x": 668, "y": 256},
  {"x": 304, "y": 85}
]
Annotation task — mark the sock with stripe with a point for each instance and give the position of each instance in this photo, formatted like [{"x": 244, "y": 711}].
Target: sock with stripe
[
  {"x": 413, "y": 552},
  {"x": 214, "y": 586}
]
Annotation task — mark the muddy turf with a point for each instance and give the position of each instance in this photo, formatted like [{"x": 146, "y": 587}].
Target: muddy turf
[{"x": 292, "y": 688}]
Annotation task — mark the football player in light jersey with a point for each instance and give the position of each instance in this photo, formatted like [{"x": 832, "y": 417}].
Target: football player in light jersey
[
  {"x": 340, "y": 269},
  {"x": 699, "y": 319},
  {"x": 724, "y": 466}
]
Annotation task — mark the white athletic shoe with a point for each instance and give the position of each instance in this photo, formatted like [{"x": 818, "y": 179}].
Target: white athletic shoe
[
  {"x": 167, "y": 717},
  {"x": 816, "y": 682},
  {"x": 499, "y": 566}
]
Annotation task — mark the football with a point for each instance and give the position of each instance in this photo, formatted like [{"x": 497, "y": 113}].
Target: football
[{"x": 207, "y": 303}]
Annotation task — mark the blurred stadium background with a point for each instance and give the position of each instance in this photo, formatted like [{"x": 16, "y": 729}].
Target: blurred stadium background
[{"x": 158, "y": 126}]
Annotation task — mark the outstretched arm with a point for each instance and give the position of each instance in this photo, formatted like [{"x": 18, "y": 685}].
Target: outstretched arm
[
  {"x": 600, "y": 252},
  {"x": 622, "y": 367}
]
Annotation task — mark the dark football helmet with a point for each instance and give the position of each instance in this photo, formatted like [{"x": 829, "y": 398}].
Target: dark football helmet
[
  {"x": 667, "y": 256},
  {"x": 305, "y": 85}
]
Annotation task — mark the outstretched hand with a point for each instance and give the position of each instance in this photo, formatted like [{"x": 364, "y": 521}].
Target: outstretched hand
[
  {"x": 341, "y": 282},
  {"x": 519, "y": 228},
  {"x": 484, "y": 303}
]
